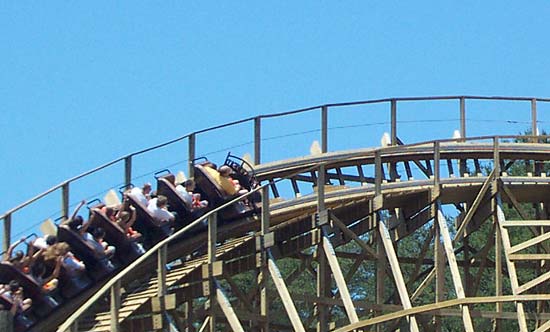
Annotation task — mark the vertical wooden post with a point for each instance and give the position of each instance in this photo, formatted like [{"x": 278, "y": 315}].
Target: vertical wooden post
[
  {"x": 115, "y": 306},
  {"x": 257, "y": 140},
  {"x": 322, "y": 269},
  {"x": 498, "y": 238},
  {"x": 7, "y": 233},
  {"x": 324, "y": 129},
  {"x": 262, "y": 276},
  {"x": 191, "y": 154},
  {"x": 462, "y": 118},
  {"x": 65, "y": 200},
  {"x": 534, "y": 119},
  {"x": 212, "y": 234},
  {"x": 380, "y": 268},
  {"x": 439, "y": 260},
  {"x": 127, "y": 171},
  {"x": 393, "y": 122},
  {"x": 437, "y": 170},
  {"x": 161, "y": 282}
]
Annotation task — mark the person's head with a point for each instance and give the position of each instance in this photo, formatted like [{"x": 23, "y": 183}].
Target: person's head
[
  {"x": 189, "y": 184},
  {"x": 18, "y": 256},
  {"x": 76, "y": 222},
  {"x": 225, "y": 170},
  {"x": 98, "y": 233},
  {"x": 146, "y": 189},
  {"x": 124, "y": 216},
  {"x": 13, "y": 286},
  {"x": 162, "y": 201},
  {"x": 51, "y": 240}
]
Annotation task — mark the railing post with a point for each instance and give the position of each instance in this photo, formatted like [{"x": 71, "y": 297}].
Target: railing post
[
  {"x": 393, "y": 122},
  {"x": 462, "y": 117},
  {"x": 534, "y": 119},
  {"x": 324, "y": 129},
  {"x": 257, "y": 140},
  {"x": 128, "y": 171},
  {"x": 262, "y": 277},
  {"x": 65, "y": 201},
  {"x": 115, "y": 306},
  {"x": 191, "y": 155},
  {"x": 161, "y": 283},
  {"x": 437, "y": 169},
  {"x": 212, "y": 234},
  {"x": 7, "y": 233}
]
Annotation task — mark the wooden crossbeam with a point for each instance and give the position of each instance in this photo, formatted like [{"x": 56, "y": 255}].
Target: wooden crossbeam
[
  {"x": 284, "y": 294},
  {"x": 455, "y": 273},
  {"x": 528, "y": 243},
  {"x": 397, "y": 275},
  {"x": 528, "y": 285},
  {"x": 510, "y": 264},
  {"x": 227, "y": 309},
  {"x": 338, "y": 276},
  {"x": 518, "y": 223},
  {"x": 473, "y": 208},
  {"x": 529, "y": 257}
]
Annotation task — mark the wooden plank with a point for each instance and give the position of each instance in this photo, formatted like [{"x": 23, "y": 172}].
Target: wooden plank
[
  {"x": 528, "y": 243},
  {"x": 397, "y": 275},
  {"x": 455, "y": 273},
  {"x": 511, "y": 266},
  {"x": 339, "y": 277},
  {"x": 528, "y": 285},
  {"x": 441, "y": 305},
  {"x": 284, "y": 294},
  {"x": 544, "y": 327},
  {"x": 474, "y": 206},
  {"x": 528, "y": 257},
  {"x": 534, "y": 223},
  {"x": 227, "y": 309}
]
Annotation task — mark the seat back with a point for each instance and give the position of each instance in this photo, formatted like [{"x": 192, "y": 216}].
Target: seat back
[
  {"x": 165, "y": 186},
  {"x": 152, "y": 230},
  {"x": 208, "y": 187},
  {"x": 97, "y": 264},
  {"x": 42, "y": 303},
  {"x": 126, "y": 250}
]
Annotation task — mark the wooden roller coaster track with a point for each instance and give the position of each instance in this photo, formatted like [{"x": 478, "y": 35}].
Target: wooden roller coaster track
[{"x": 371, "y": 200}]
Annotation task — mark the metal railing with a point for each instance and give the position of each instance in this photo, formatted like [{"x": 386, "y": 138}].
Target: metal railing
[{"x": 256, "y": 121}]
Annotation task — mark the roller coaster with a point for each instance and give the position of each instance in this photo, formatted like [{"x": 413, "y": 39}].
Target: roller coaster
[{"x": 428, "y": 235}]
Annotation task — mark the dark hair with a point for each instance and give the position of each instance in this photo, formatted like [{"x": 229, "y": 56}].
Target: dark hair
[
  {"x": 51, "y": 239},
  {"x": 98, "y": 232},
  {"x": 161, "y": 200},
  {"x": 14, "y": 286},
  {"x": 18, "y": 256},
  {"x": 75, "y": 223}
]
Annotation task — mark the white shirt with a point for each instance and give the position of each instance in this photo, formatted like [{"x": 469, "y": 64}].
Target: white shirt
[
  {"x": 137, "y": 193},
  {"x": 187, "y": 197},
  {"x": 159, "y": 214}
]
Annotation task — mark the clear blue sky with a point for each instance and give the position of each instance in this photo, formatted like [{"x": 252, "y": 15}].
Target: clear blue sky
[{"x": 85, "y": 83}]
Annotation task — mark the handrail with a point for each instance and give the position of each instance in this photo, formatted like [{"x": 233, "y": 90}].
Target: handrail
[
  {"x": 266, "y": 116},
  {"x": 70, "y": 321}
]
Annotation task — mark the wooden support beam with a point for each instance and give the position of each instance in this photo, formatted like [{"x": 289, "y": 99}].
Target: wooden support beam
[
  {"x": 519, "y": 223},
  {"x": 284, "y": 294},
  {"x": 397, "y": 275},
  {"x": 115, "y": 306},
  {"x": 338, "y": 276},
  {"x": 212, "y": 239},
  {"x": 529, "y": 243},
  {"x": 227, "y": 309},
  {"x": 511, "y": 267},
  {"x": 537, "y": 281},
  {"x": 473, "y": 208},
  {"x": 439, "y": 268},
  {"x": 455, "y": 273}
]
